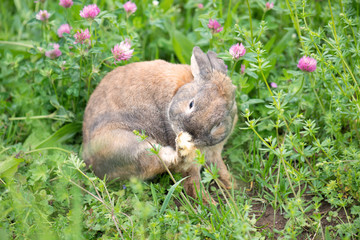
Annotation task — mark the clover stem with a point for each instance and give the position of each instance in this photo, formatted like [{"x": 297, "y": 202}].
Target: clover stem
[
  {"x": 301, "y": 86},
  {"x": 233, "y": 68},
  {"x": 250, "y": 21},
  {"x": 77, "y": 98},
  {"x": 316, "y": 95}
]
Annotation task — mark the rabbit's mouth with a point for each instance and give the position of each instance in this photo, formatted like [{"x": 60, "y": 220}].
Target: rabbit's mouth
[
  {"x": 177, "y": 130},
  {"x": 198, "y": 141}
]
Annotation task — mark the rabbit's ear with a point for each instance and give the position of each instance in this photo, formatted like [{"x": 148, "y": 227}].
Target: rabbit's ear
[
  {"x": 200, "y": 63},
  {"x": 216, "y": 63},
  {"x": 203, "y": 64}
]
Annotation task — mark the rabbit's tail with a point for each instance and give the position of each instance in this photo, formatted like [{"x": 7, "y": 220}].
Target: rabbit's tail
[{"x": 119, "y": 154}]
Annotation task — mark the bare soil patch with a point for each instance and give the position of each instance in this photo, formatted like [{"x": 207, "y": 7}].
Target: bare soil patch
[{"x": 265, "y": 214}]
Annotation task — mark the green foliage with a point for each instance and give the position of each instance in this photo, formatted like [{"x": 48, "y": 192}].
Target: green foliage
[{"x": 295, "y": 148}]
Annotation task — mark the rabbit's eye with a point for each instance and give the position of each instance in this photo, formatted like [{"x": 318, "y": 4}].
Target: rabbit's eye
[{"x": 191, "y": 105}]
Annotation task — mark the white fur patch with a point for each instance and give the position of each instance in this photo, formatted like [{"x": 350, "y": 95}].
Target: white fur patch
[
  {"x": 168, "y": 155},
  {"x": 186, "y": 150},
  {"x": 185, "y": 145}
]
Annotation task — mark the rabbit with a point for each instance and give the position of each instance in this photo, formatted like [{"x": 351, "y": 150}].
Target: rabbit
[{"x": 180, "y": 107}]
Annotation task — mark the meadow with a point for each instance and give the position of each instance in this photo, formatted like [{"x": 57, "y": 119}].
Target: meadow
[{"x": 294, "y": 154}]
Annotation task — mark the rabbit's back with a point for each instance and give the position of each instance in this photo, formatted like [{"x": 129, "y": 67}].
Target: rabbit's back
[{"x": 136, "y": 97}]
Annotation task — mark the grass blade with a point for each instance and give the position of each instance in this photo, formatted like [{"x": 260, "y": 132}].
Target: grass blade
[
  {"x": 61, "y": 135},
  {"x": 168, "y": 196},
  {"x": 9, "y": 167}
]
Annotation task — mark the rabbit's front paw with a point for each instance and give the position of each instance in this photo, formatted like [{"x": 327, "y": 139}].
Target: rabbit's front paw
[
  {"x": 168, "y": 155},
  {"x": 184, "y": 144},
  {"x": 186, "y": 150}
]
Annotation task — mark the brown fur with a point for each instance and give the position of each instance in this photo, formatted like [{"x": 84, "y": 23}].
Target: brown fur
[
  {"x": 155, "y": 96},
  {"x": 225, "y": 87}
]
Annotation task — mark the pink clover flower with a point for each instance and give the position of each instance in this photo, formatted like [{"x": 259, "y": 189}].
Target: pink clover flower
[
  {"x": 55, "y": 52},
  {"x": 269, "y": 5},
  {"x": 122, "y": 51},
  {"x": 42, "y": 15},
  {"x": 130, "y": 7},
  {"x": 307, "y": 64},
  {"x": 82, "y": 36},
  {"x": 214, "y": 26},
  {"x": 66, "y": 3},
  {"x": 65, "y": 28},
  {"x": 237, "y": 51},
  {"x": 90, "y": 11}
]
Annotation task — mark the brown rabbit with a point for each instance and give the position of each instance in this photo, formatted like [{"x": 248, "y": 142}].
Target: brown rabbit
[{"x": 180, "y": 107}]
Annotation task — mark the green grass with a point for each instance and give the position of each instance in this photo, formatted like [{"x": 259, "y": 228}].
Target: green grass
[{"x": 294, "y": 154}]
